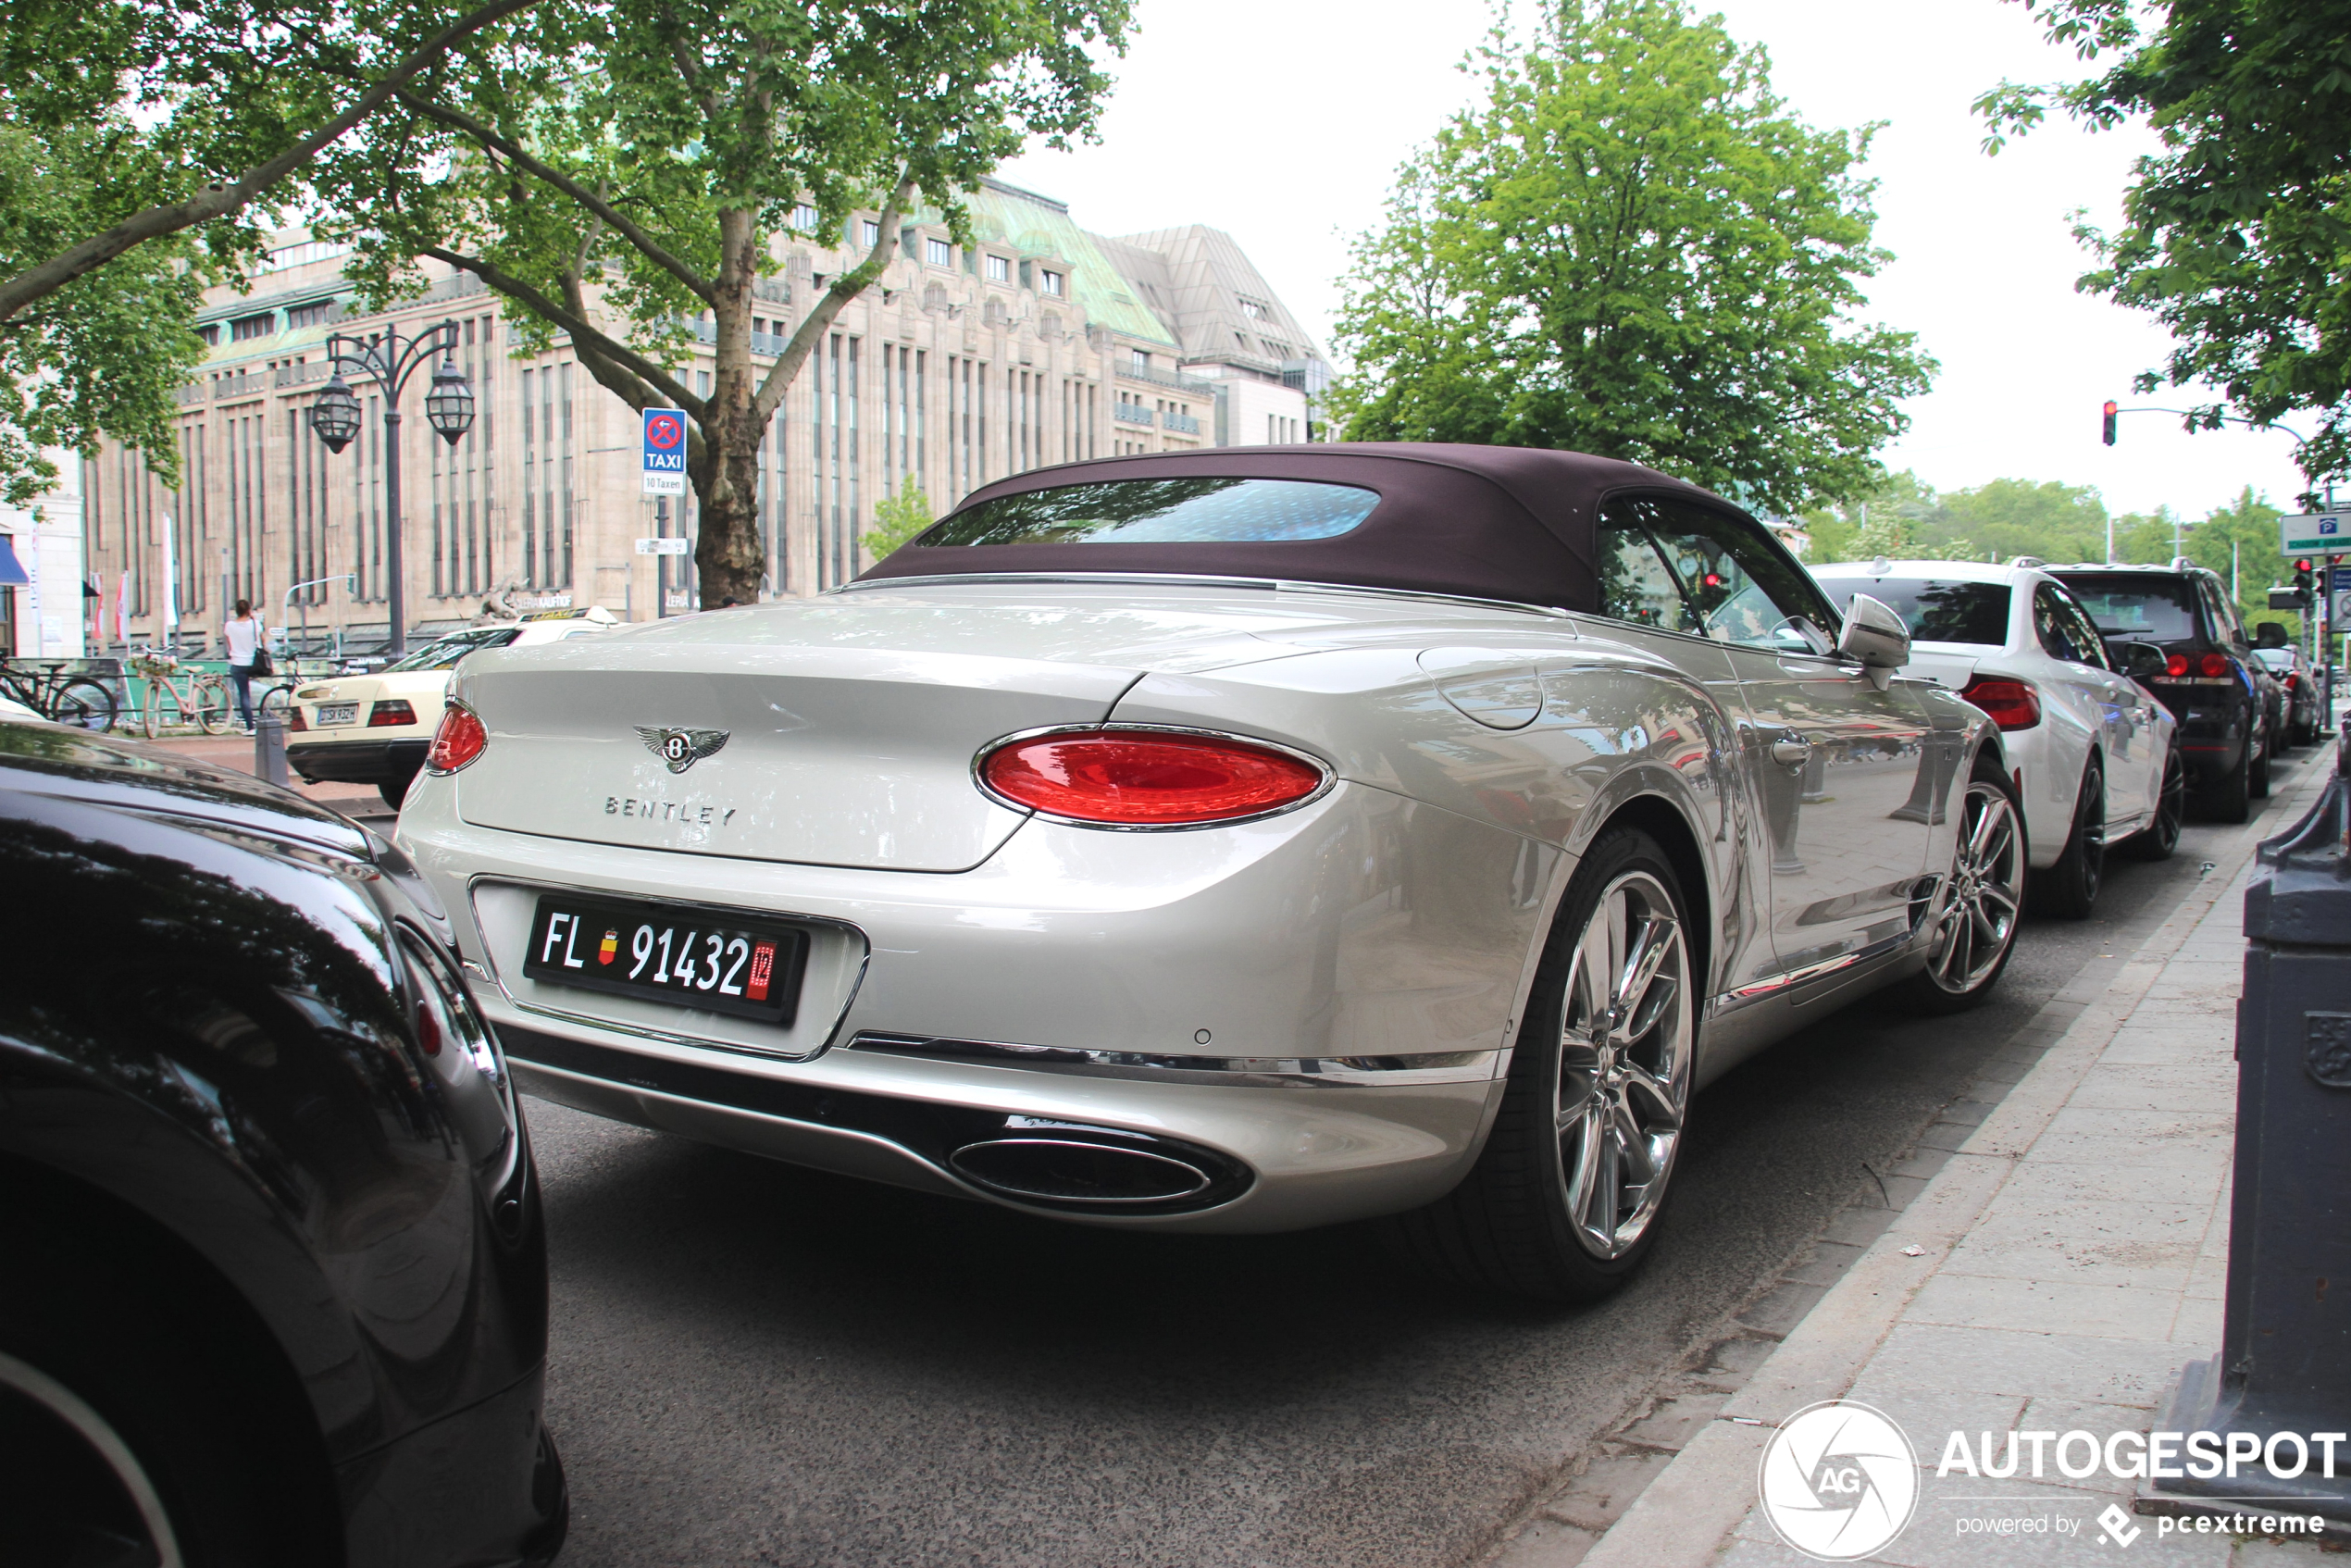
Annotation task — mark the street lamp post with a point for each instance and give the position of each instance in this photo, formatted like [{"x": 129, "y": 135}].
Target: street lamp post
[{"x": 389, "y": 360}]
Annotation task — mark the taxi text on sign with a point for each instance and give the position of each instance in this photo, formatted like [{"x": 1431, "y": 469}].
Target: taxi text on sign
[
  {"x": 2315, "y": 533},
  {"x": 665, "y": 452}
]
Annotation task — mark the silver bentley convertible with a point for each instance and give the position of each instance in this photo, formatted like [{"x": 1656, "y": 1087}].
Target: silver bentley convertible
[{"x": 1231, "y": 841}]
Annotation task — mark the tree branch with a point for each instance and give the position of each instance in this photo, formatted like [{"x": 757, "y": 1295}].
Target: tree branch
[
  {"x": 846, "y": 287},
  {"x": 611, "y": 216},
  {"x": 218, "y": 200},
  {"x": 577, "y": 324}
]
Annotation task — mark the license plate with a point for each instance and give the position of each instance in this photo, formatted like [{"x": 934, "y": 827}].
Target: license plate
[
  {"x": 685, "y": 957},
  {"x": 338, "y": 713}
]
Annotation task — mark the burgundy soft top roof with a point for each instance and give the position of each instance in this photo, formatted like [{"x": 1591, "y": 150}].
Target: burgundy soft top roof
[{"x": 1495, "y": 522}]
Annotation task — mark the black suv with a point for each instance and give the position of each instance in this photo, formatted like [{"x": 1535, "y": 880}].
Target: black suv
[{"x": 2211, "y": 682}]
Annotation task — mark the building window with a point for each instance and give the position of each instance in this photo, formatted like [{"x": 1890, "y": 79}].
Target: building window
[
  {"x": 248, "y": 327},
  {"x": 1052, "y": 283},
  {"x": 1254, "y": 309},
  {"x": 210, "y": 333},
  {"x": 313, "y": 315},
  {"x": 939, "y": 253},
  {"x": 999, "y": 270},
  {"x": 870, "y": 232},
  {"x": 803, "y": 217},
  {"x": 1139, "y": 360}
]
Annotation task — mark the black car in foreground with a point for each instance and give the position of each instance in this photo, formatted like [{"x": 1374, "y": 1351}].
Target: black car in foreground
[
  {"x": 273, "y": 1280},
  {"x": 2222, "y": 696}
]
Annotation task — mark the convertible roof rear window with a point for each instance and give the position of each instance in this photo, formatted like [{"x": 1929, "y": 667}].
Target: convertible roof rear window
[
  {"x": 1170, "y": 511},
  {"x": 1935, "y": 612}
]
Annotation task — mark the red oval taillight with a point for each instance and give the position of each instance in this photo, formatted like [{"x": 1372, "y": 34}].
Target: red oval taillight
[
  {"x": 2011, "y": 705},
  {"x": 2176, "y": 665},
  {"x": 457, "y": 741},
  {"x": 1146, "y": 779},
  {"x": 2216, "y": 664}
]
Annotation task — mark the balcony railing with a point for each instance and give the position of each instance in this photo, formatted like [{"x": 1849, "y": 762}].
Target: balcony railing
[
  {"x": 301, "y": 375},
  {"x": 1182, "y": 424},
  {"x": 1130, "y": 413},
  {"x": 1191, "y": 384},
  {"x": 231, "y": 387}
]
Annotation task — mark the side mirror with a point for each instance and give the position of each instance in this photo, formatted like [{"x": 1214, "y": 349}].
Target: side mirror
[
  {"x": 2270, "y": 634},
  {"x": 2140, "y": 661},
  {"x": 1877, "y": 636}
]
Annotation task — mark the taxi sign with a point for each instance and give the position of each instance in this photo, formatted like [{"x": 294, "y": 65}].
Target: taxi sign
[
  {"x": 665, "y": 452},
  {"x": 2315, "y": 533}
]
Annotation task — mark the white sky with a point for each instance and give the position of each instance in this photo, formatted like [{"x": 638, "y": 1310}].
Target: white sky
[{"x": 1283, "y": 121}]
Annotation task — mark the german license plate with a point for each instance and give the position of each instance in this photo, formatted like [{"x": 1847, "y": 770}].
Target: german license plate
[
  {"x": 338, "y": 713},
  {"x": 684, "y": 957}
]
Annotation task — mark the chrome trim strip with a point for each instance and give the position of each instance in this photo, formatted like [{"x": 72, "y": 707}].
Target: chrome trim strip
[
  {"x": 1262, "y": 1072},
  {"x": 1187, "y": 579},
  {"x": 979, "y": 778},
  {"x": 1775, "y": 985},
  {"x": 487, "y": 969}
]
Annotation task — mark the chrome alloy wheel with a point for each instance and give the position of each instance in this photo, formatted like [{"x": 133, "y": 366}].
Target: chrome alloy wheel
[
  {"x": 1977, "y": 920},
  {"x": 1625, "y": 1064}
]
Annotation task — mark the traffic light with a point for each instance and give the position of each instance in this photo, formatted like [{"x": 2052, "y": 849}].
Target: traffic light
[
  {"x": 2302, "y": 575},
  {"x": 2110, "y": 412}
]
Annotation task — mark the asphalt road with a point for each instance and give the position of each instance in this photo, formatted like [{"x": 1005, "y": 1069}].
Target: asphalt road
[{"x": 753, "y": 1364}]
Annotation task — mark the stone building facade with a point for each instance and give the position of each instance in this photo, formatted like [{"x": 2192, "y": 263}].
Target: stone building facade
[{"x": 1038, "y": 342}]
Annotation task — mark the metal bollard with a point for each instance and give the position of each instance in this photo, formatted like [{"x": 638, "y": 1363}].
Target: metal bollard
[
  {"x": 2284, "y": 1364},
  {"x": 269, "y": 749}
]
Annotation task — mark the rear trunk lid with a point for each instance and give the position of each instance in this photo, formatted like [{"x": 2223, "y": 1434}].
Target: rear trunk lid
[{"x": 836, "y": 731}]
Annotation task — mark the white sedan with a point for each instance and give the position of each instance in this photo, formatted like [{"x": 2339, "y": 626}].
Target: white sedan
[
  {"x": 2094, "y": 752},
  {"x": 374, "y": 729}
]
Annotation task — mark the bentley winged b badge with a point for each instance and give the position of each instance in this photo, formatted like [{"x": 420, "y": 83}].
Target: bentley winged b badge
[{"x": 682, "y": 748}]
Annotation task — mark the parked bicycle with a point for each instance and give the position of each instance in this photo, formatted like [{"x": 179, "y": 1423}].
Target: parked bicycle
[
  {"x": 277, "y": 699},
  {"x": 178, "y": 695},
  {"x": 55, "y": 691}
]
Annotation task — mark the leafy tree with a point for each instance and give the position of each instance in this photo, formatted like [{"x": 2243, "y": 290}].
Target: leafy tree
[
  {"x": 103, "y": 353},
  {"x": 2234, "y": 235},
  {"x": 139, "y": 140},
  {"x": 634, "y": 169},
  {"x": 1632, "y": 248},
  {"x": 898, "y": 518}
]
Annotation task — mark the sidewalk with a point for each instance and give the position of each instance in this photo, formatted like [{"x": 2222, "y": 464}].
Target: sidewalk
[{"x": 2065, "y": 1255}]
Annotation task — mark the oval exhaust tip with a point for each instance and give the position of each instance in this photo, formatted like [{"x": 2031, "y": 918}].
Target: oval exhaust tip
[{"x": 1067, "y": 1171}]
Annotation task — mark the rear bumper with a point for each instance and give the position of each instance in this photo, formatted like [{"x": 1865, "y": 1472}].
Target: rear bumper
[
  {"x": 1299, "y": 1003},
  {"x": 357, "y": 761}
]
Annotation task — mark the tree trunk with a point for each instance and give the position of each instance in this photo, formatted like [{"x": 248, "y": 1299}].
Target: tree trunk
[{"x": 728, "y": 558}]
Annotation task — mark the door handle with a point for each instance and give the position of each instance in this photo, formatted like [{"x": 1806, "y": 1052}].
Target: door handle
[{"x": 1791, "y": 750}]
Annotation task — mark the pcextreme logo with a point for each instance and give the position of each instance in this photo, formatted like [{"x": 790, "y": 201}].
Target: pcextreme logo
[{"x": 1838, "y": 1480}]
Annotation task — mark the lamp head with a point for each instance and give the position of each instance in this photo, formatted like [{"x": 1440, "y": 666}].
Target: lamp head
[
  {"x": 335, "y": 415},
  {"x": 449, "y": 404}
]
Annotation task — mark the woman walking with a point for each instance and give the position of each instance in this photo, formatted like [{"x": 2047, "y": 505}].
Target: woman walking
[{"x": 244, "y": 635}]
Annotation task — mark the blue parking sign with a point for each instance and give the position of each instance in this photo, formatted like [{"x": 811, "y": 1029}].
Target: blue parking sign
[{"x": 665, "y": 452}]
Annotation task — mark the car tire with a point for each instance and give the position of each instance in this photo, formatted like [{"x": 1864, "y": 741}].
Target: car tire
[
  {"x": 1547, "y": 1212},
  {"x": 2256, "y": 773},
  {"x": 2160, "y": 837},
  {"x": 2068, "y": 890},
  {"x": 1982, "y": 890},
  {"x": 149, "y": 1404}
]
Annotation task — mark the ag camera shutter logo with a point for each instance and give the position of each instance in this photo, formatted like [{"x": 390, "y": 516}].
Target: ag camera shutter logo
[{"x": 1839, "y": 1481}]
